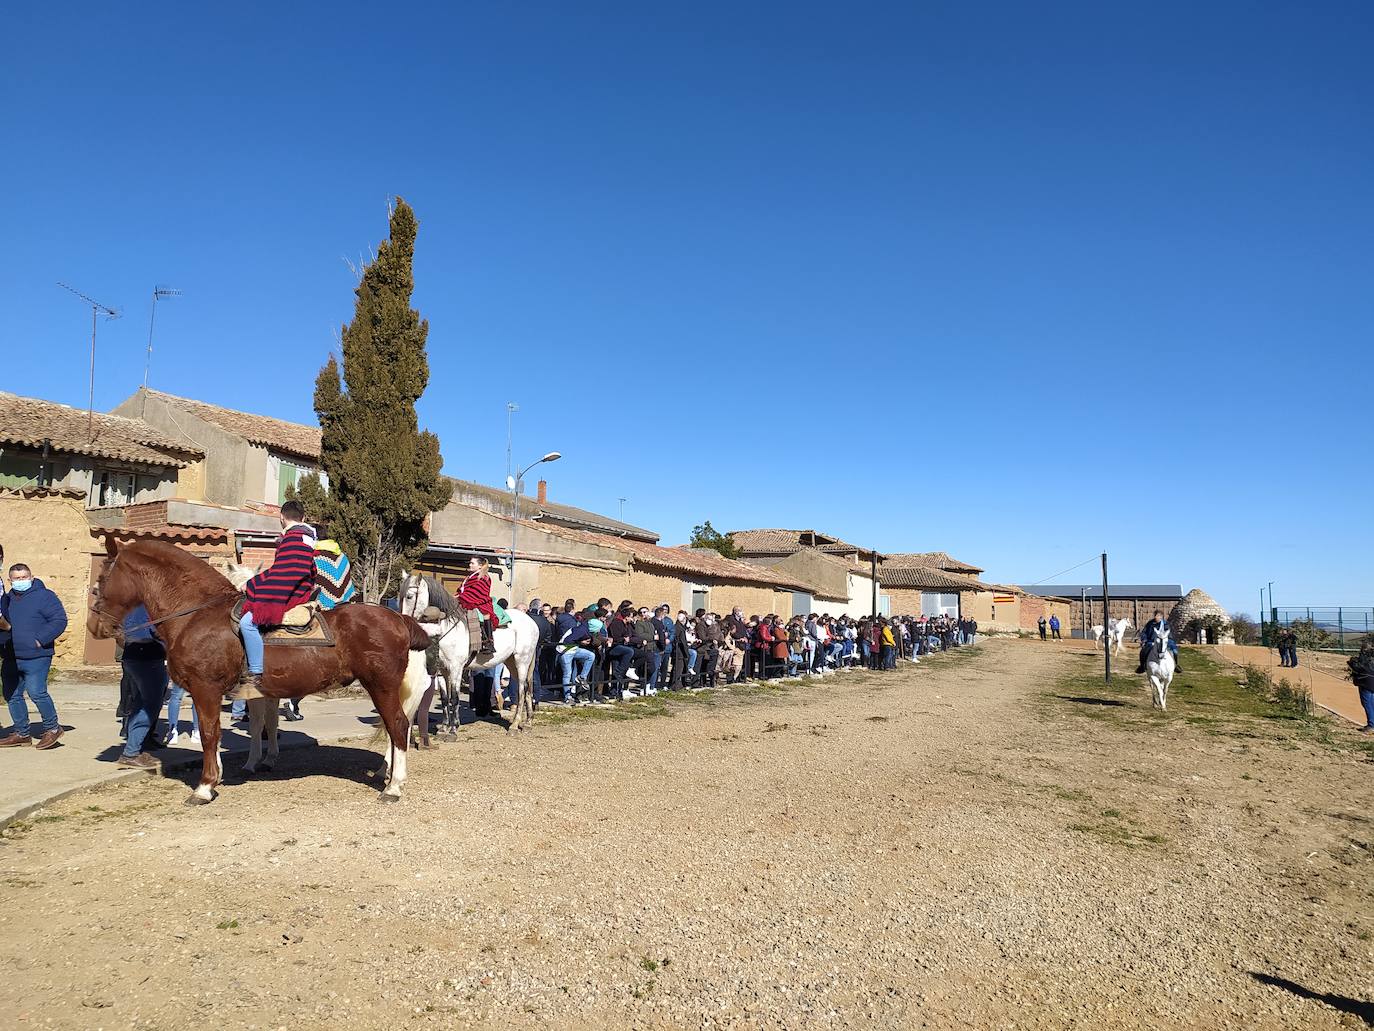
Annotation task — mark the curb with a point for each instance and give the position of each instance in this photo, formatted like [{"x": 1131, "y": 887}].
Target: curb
[{"x": 31, "y": 806}]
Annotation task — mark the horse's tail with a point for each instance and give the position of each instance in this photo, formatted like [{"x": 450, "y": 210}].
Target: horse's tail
[{"x": 419, "y": 639}]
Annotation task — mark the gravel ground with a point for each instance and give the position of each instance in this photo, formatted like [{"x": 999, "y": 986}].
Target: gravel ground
[{"x": 945, "y": 846}]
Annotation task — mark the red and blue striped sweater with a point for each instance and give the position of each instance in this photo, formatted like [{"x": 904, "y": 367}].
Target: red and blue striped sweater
[{"x": 288, "y": 582}]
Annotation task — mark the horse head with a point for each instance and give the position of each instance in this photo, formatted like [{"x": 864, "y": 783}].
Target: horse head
[
  {"x": 414, "y": 594},
  {"x": 1161, "y": 647},
  {"x": 116, "y": 592}
]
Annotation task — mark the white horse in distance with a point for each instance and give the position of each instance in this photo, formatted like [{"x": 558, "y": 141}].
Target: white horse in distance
[{"x": 1117, "y": 634}]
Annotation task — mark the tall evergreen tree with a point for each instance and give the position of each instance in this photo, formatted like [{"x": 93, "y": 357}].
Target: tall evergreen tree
[{"x": 382, "y": 471}]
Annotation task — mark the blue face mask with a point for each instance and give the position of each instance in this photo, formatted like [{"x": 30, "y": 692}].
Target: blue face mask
[{"x": 21, "y": 585}]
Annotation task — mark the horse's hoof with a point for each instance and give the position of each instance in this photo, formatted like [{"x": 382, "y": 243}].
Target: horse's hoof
[
  {"x": 450, "y": 737},
  {"x": 384, "y": 797},
  {"x": 196, "y": 800},
  {"x": 265, "y": 768}
]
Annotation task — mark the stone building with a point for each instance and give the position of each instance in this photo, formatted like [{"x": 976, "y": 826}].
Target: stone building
[{"x": 1198, "y": 605}]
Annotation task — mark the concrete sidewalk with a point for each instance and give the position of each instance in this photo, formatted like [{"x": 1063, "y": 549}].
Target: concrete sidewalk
[
  {"x": 1329, "y": 692},
  {"x": 88, "y": 750}
]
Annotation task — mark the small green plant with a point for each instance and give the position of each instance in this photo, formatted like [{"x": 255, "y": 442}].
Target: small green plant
[
  {"x": 226, "y": 925},
  {"x": 645, "y": 963}
]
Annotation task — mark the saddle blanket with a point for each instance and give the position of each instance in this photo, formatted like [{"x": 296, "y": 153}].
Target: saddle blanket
[{"x": 302, "y": 626}]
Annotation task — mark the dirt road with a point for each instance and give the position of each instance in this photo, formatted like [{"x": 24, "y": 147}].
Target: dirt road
[{"x": 961, "y": 844}]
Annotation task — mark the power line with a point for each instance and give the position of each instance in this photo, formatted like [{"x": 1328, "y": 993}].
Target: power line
[{"x": 1064, "y": 571}]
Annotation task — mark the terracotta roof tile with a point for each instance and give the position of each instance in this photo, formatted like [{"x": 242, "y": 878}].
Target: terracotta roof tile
[
  {"x": 929, "y": 578},
  {"x": 932, "y": 560},
  {"x": 292, "y": 437},
  {"x": 29, "y": 421}
]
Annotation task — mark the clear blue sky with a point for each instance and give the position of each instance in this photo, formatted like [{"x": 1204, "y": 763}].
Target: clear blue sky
[{"x": 1021, "y": 282}]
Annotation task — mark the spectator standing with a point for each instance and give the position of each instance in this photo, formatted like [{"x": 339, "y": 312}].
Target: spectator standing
[
  {"x": 1042, "y": 624},
  {"x": 36, "y": 620},
  {"x": 1362, "y": 673},
  {"x": 175, "y": 696},
  {"x": 144, "y": 661},
  {"x": 1054, "y": 627}
]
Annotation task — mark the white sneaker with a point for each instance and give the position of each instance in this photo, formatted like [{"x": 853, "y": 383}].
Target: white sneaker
[
  {"x": 171, "y": 736},
  {"x": 195, "y": 738},
  {"x": 631, "y": 694},
  {"x": 650, "y": 691},
  {"x": 632, "y": 675}
]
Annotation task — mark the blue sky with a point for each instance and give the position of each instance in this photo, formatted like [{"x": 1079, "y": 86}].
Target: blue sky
[{"x": 1020, "y": 282}]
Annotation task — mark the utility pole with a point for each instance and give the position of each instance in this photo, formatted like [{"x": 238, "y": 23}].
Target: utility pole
[
  {"x": 1106, "y": 620},
  {"x": 97, "y": 309},
  {"x": 873, "y": 573},
  {"x": 158, "y": 291},
  {"x": 621, "y": 516}
]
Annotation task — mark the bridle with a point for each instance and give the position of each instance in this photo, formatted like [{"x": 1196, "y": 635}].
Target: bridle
[
  {"x": 415, "y": 577},
  {"x": 116, "y": 622}
]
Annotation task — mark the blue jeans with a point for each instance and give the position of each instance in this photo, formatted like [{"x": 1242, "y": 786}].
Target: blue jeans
[
  {"x": 582, "y": 659},
  {"x": 252, "y": 642},
  {"x": 150, "y": 677},
  {"x": 21, "y": 676},
  {"x": 174, "y": 710},
  {"x": 1367, "y": 700}
]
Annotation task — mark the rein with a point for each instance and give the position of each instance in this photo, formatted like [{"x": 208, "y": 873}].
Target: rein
[{"x": 172, "y": 615}]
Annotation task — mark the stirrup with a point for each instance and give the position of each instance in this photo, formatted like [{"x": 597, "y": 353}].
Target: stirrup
[{"x": 248, "y": 688}]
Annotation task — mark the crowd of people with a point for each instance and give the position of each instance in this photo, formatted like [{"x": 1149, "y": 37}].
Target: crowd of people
[{"x": 595, "y": 652}]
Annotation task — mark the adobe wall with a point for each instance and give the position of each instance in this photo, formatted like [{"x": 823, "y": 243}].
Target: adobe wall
[{"x": 52, "y": 537}]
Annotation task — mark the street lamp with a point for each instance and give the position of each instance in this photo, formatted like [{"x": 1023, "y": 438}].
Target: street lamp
[{"x": 516, "y": 484}]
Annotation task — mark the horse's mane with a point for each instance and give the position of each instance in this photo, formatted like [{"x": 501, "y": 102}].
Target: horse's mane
[
  {"x": 191, "y": 578},
  {"x": 440, "y": 597}
]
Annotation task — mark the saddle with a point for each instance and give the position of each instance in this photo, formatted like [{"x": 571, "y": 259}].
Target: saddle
[{"x": 302, "y": 626}]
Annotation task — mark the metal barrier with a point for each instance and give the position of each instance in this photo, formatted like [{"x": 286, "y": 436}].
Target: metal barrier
[{"x": 1338, "y": 628}]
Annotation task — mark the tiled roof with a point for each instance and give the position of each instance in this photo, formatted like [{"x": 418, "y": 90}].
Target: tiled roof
[
  {"x": 931, "y": 560},
  {"x": 788, "y": 542},
  {"x": 679, "y": 560},
  {"x": 30, "y": 421},
  {"x": 292, "y": 437},
  {"x": 929, "y": 578},
  {"x": 166, "y": 532},
  {"x": 530, "y": 508}
]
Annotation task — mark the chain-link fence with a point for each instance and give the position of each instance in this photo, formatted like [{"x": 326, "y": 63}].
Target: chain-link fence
[{"x": 1323, "y": 627}]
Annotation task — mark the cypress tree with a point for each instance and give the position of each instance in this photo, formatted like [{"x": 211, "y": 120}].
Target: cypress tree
[{"x": 383, "y": 472}]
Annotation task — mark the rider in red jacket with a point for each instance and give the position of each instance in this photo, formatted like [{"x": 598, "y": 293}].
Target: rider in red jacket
[{"x": 476, "y": 594}]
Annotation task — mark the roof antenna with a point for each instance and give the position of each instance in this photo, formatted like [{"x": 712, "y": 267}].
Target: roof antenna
[
  {"x": 97, "y": 309},
  {"x": 158, "y": 291}
]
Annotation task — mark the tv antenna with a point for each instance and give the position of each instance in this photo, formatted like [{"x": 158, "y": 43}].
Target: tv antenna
[
  {"x": 622, "y": 501},
  {"x": 158, "y": 291},
  {"x": 97, "y": 310}
]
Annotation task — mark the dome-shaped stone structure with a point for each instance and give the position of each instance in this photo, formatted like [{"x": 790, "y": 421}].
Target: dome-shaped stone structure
[{"x": 1197, "y": 604}]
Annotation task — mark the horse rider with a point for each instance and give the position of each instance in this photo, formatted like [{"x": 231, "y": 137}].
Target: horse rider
[
  {"x": 289, "y": 581},
  {"x": 333, "y": 576},
  {"x": 475, "y": 595},
  {"x": 1149, "y": 633}
]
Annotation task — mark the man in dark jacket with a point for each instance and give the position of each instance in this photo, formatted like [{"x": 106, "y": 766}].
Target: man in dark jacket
[
  {"x": 1149, "y": 634},
  {"x": 541, "y": 621},
  {"x": 37, "y": 619},
  {"x": 1362, "y": 673}
]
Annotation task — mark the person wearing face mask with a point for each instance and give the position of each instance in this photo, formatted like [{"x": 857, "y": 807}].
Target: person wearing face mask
[{"x": 36, "y": 620}]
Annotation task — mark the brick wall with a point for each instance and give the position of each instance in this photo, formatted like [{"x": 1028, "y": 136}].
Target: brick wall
[
  {"x": 754, "y": 600},
  {"x": 258, "y": 556},
  {"x": 1137, "y": 610},
  {"x": 558, "y": 582},
  {"x": 146, "y": 516},
  {"x": 1032, "y": 608}
]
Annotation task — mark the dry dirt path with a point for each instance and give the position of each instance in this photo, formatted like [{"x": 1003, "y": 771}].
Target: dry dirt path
[{"x": 945, "y": 846}]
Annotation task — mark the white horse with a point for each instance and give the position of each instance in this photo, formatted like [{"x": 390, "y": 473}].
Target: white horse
[
  {"x": 515, "y": 645},
  {"x": 1159, "y": 664},
  {"x": 1116, "y": 634}
]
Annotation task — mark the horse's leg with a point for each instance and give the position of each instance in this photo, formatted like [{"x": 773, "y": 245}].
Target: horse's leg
[
  {"x": 257, "y": 716},
  {"x": 517, "y": 716},
  {"x": 271, "y": 717},
  {"x": 396, "y": 705},
  {"x": 207, "y": 703},
  {"x": 422, "y": 715}
]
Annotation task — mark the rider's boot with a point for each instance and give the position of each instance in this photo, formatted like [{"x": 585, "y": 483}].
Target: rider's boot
[
  {"x": 488, "y": 646},
  {"x": 249, "y": 686}
]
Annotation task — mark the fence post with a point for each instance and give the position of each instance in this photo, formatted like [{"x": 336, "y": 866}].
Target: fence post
[{"x": 1340, "y": 627}]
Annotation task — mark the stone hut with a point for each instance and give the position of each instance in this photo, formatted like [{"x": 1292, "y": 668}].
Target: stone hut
[{"x": 1198, "y": 604}]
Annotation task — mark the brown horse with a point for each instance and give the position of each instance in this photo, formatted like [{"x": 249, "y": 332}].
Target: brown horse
[{"x": 189, "y": 604}]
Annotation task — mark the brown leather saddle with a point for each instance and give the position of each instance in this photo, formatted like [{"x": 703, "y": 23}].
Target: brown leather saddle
[{"x": 302, "y": 626}]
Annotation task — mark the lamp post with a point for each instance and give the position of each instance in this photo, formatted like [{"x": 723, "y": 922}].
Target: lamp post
[{"x": 516, "y": 483}]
